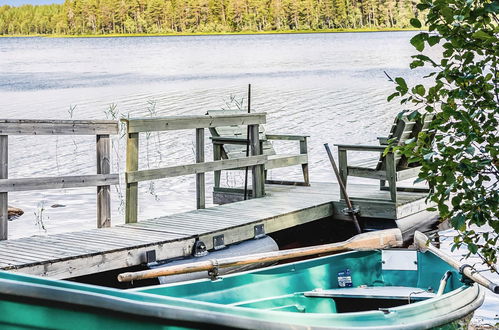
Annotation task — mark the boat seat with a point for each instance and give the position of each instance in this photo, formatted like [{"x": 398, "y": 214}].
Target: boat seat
[{"x": 377, "y": 292}]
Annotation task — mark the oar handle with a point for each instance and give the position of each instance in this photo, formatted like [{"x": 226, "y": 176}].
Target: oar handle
[
  {"x": 423, "y": 243},
  {"x": 381, "y": 239}
]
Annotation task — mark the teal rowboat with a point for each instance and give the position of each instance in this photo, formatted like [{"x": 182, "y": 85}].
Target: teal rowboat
[{"x": 392, "y": 289}]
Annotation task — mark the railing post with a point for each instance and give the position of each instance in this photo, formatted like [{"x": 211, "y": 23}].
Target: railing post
[
  {"x": 200, "y": 178},
  {"x": 217, "y": 155},
  {"x": 258, "y": 187},
  {"x": 4, "y": 168},
  {"x": 391, "y": 174},
  {"x": 132, "y": 164},
  {"x": 343, "y": 167},
  {"x": 103, "y": 192},
  {"x": 304, "y": 167}
]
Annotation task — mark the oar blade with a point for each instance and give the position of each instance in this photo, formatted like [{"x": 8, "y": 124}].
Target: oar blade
[
  {"x": 421, "y": 241},
  {"x": 376, "y": 240}
]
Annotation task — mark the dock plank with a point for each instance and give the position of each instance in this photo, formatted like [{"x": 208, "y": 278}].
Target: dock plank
[{"x": 84, "y": 252}]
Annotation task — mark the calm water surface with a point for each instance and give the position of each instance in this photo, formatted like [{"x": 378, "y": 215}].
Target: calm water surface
[{"x": 329, "y": 86}]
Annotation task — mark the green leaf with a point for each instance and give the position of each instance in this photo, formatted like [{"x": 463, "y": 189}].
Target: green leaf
[
  {"x": 415, "y": 22},
  {"x": 422, "y": 6},
  {"x": 418, "y": 41},
  {"x": 419, "y": 89},
  {"x": 389, "y": 98},
  {"x": 480, "y": 34},
  {"x": 416, "y": 63},
  {"x": 401, "y": 82},
  {"x": 433, "y": 40},
  {"x": 472, "y": 248},
  {"x": 492, "y": 7},
  {"x": 413, "y": 115},
  {"x": 470, "y": 150},
  {"x": 418, "y": 180},
  {"x": 447, "y": 13},
  {"x": 458, "y": 222}
]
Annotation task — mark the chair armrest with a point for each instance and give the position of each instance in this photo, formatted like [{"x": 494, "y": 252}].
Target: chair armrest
[
  {"x": 286, "y": 137},
  {"x": 228, "y": 140},
  {"x": 360, "y": 147},
  {"x": 383, "y": 140}
]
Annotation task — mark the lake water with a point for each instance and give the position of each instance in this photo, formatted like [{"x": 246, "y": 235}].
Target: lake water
[{"x": 329, "y": 86}]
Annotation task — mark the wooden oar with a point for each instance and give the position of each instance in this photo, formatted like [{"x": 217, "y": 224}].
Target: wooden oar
[
  {"x": 367, "y": 241},
  {"x": 423, "y": 244}
]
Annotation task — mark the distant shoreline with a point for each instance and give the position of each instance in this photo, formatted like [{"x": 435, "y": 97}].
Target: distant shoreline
[{"x": 175, "y": 34}]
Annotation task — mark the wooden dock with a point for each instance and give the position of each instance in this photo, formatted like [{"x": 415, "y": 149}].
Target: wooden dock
[
  {"x": 90, "y": 251},
  {"x": 275, "y": 207}
]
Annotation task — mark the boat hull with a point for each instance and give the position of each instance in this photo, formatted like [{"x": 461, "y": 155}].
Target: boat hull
[{"x": 33, "y": 302}]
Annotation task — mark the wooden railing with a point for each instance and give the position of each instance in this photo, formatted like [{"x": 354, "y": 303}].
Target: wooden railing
[
  {"x": 102, "y": 129},
  {"x": 133, "y": 175}
]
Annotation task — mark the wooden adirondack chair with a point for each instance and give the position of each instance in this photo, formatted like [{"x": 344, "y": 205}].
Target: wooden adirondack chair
[
  {"x": 390, "y": 168},
  {"x": 230, "y": 143}
]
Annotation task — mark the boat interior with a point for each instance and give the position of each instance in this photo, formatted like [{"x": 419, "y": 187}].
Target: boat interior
[{"x": 375, "y": 280}]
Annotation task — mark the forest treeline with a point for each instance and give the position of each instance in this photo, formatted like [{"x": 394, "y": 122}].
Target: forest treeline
[{"x": 166, "y": 16}]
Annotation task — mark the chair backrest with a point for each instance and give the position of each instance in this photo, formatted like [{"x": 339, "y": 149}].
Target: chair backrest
[
  {"x": 402, "y": 130},
  {"x": 232, "y": 151}
]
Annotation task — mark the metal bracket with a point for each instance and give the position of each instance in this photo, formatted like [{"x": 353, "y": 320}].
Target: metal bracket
[
  {"x": 151, "y": 258},
  {"x": 465, "y": 279},
  {"x": 349, "y": 211},
  {"x": 218, "y": 242},
  {"x": 199, "y": 249},
  {"x": 214, "y": 272},
  {"x": 259, "y": 231}
]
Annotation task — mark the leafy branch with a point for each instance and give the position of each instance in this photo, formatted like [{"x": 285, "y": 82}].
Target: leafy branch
[{"x": 460, "y": 153}]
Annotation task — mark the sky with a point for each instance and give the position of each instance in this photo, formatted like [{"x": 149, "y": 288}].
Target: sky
[{"x": 28, "y": 2}]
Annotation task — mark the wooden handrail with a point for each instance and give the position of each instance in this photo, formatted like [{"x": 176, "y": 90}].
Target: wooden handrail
[
  {"x": 57, "y": 127},
  {"x": 102, "y": 129},
  {"x": 180, "y": 170},
  {"x": 159, "y": 124},
  {"x": 59, "y": 182},
  {"x": 134, "y": 126}
]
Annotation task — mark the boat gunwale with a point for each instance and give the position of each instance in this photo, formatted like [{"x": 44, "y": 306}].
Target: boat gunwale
[
  {"x": 189, "y": 311},
  {"x": 163, "y": 309}
]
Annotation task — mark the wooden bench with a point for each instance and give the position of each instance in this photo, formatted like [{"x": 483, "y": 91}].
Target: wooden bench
[
  {"x": 231, "y": 142},
  {"x": 392, "y": 167}
]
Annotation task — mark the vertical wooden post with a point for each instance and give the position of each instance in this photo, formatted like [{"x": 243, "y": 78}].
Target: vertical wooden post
[
  {"x": 257, "y": 172},
  {"x": 4, "y": 167},
  {"x": 200, "y": 179},
  {"x": 391, "y": 175},
  {"x": 343, "y": 165},
  {"x": 304, "y": 167},
  {"x": 217, "y": 155},
  {"x": 103, "y": 192},
  {"x": 132, "y": 164}
]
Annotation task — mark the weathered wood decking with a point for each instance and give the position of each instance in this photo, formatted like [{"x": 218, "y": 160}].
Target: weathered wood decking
[{"x": 90, "y": 251}]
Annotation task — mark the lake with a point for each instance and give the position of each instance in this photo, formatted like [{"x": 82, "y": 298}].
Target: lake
[{"x": 332, "y": 87}]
